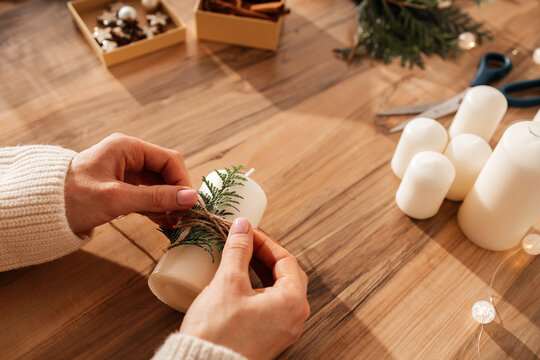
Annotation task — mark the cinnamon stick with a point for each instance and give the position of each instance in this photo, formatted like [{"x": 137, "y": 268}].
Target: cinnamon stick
[
  {"x": 222, "y": 6},
  {"x": 274, "y": 7}
]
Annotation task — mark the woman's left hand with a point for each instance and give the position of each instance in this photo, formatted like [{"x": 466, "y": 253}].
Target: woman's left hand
[{"x": 121, "y": 175}]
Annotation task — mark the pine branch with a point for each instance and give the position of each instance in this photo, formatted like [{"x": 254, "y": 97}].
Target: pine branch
[
  {"x": 221, "y": 201},
  {"x": 409, "y": 29}
]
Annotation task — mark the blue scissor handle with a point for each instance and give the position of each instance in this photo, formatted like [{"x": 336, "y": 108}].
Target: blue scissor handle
[
  {"x": 485, "y": 74},
  {"x": 521, "y": 85}
]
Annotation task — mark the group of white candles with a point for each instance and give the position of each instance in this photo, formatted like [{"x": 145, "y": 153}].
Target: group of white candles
[{"x": 500, "y": 190}]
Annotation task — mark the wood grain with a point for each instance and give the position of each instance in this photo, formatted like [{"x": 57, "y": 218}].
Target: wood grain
[{"x": 382, "y": 286}]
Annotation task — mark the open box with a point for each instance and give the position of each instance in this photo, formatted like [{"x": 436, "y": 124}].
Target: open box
[
  {"x": 85, "y": 13},
  {"x": 237, "y": 30}
]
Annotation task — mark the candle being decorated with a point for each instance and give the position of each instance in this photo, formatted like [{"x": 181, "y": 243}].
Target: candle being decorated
[
  {"x": 468, "y": 153},
  {"x": 184, "y": 270},
  {"x": 420, "y": 134},
  {"x": 425, "y": 184},
  {"x": 504, "y": 202},
  {"x": 480, "y": 112}
]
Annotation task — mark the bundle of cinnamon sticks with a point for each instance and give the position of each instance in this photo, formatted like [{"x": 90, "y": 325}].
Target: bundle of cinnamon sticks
[{"x": 267, "y": 10}]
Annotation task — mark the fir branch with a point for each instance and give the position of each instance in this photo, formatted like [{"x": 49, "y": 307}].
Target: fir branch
[
  {"x": 408, "y": 29},
  {"x": 220, "y": 201}
]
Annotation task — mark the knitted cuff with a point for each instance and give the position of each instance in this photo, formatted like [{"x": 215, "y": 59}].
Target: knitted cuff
[
  {"x": 33, "y": 223},
  {"x": 186, "y": 347}
]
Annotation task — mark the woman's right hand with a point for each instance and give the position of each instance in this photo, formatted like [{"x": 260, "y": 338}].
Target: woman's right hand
[{"x": 256, "y": 323}]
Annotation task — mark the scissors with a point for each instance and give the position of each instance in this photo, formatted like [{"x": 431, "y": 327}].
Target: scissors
[{"x": 484, "y": 76}]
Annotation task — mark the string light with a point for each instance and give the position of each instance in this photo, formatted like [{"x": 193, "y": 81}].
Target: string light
[{"x": 484, "y": 311}]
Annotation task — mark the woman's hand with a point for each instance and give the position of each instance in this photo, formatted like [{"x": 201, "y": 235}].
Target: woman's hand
[
  {"x": 257, "y": 323},
  {"x": 121, "y": 175}
]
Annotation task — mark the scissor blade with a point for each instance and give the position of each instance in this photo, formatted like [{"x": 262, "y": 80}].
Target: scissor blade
[
  {"x": 413, "y": 109},
  {"x": 444, "y": 108}
]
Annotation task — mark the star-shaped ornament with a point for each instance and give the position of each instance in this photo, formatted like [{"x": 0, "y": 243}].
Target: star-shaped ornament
[
  {"x": 150, "y": 31},
  {"x": 108, "y": 45},
  {"x": 102, "y": 34},
  {"x": 107, "y": 18},
  {"x": 157, "y": 19}
]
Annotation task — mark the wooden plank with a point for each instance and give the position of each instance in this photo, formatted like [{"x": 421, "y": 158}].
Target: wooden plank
[
  {"x": 130, "y": 324},
  {"x": 40, "y": 301},
  {"x": 381, "y": 285}
]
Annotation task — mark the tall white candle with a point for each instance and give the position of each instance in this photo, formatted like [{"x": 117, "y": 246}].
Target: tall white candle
[
  {"x": 183, "y": 271},
  {"x": 537, "y": 116},
  {"x": 480, "y": 112},
  {"x": 420, "y": 134},
  {"x": 504, "y": 202},
  {"x": 468, "y": 153},
  {"x": 425, "y": 184}
]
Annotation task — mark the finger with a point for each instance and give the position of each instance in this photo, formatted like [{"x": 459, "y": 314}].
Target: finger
[
  {"x": 158, "y": 198},
  {"x": 238, "y": 250},
  {"x": 284, "y": 265},
  {"x": 289, "y": 274},
  {"x": 168, "y": 163}
]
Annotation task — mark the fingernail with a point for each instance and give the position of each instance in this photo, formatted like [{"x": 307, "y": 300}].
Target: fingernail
[
  {"x": 186, "y": 197},
  {"x": 239, "y": 226}
]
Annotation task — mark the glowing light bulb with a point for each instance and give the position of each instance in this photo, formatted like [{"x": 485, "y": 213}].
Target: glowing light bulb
[
  {"x": 531, "y": 244},
  {"x": 483, "y": 312}
]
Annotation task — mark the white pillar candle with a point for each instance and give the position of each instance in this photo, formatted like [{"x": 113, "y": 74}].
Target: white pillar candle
[
  {"x": 468, "y": 153},
  {"x": 504, "y": 202},
  {"x": 480, "y": 112},
  {"x": 183, "y": 271},
  {"x": 420, "y": 134},
  {"x": 425, "y": 184},
  {"x": 537, "y": 116}
]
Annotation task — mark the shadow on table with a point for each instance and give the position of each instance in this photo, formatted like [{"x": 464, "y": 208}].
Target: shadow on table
[
  {"x": 303, "y": 66},
  {"x": 81, "y": 306},
  {"x": 509, "y": 343},
  {"x": 483, "y": 264},
  {"x": 333, "y": 330},
  {"x": 167, "y": 73}
]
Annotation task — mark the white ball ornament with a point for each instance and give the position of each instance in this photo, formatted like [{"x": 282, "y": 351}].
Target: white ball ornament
[
  {"x": 150, "y": 5},
  {"x": 127, "y": 13},
  {"x": 483, "y": 312},
  {"x": 536, "y": 56}
]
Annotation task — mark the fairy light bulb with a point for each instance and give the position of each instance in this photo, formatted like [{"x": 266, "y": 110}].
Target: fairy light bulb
[
  {"x": 531, "y": 244},
  {"x": 483, "y": 312},
  {"x": 466, "y": 40}
]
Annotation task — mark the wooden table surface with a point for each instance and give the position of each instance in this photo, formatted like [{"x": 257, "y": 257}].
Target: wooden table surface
[{"x": 382, "y": 286}]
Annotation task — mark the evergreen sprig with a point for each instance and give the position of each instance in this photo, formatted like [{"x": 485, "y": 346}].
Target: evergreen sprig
[
  {"x": 389, "y": 29},
  {"x": 219, "y": 201}
]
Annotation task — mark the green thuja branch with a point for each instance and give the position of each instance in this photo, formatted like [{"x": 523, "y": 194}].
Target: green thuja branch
[
  {"x": 219, "y": 201},
  {"x": 408, "y": 29}
]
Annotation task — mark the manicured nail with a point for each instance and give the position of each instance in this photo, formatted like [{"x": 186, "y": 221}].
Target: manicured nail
[
  {"x": 186, "y": 197},
  {"x": 239, "y": 226}
]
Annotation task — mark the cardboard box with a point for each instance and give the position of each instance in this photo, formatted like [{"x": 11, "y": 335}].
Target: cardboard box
[
  {"x": 85, "y": 13},
  {"x": 237, "y": 30}
]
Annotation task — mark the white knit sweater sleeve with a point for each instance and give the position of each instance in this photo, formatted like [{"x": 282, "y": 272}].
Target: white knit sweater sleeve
[
  {"x": 186, "y": 347},
  {"x": 33, "y": 224}
]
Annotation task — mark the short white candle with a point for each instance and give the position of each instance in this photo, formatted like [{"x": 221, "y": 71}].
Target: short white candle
[
  {"x": 504, "y": 202},
  {"x": 420, "y": 134},
  {"x": 468, "y": 153},
  {"x": 537, "y": 116},
  {"x": 425, "y": 184},
  {"x": 480, "y": 112},
  {"x": 183, "y": 271}
]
